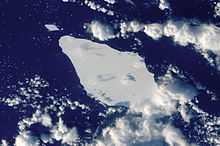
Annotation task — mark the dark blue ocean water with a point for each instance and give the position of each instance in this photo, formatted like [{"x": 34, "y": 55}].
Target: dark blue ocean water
[{"x": 27, "y": 48}]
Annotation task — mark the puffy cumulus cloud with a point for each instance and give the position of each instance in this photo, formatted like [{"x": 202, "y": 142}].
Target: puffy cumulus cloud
[
  {"x": 204, "y": 37},
  {"x": 4, "y": 143},
  {"x": 176, "y": 85},
  {"x": 57, "y": 132},
  {"x": 28, "y": 92},
  {"x": 110, "y": 1},
  {"x": 147, "y": 121},
  {"x": 94, "y": 5},
  {"x": 68, "y": 136},
  {"x": 146, "y": 125},
  {"x": 146, "y": 129},
  {"x": 97, "y": 7},
  {"x": 100, "y": 31},
  {"x": 26, "y": 139},
  {"x": 129, "y": 27},
  {"x": 217, "y": 9},
  {"x": 154, "y": 30},
  {"x": 174, "y": 137},
  {"x": 37, "y": 117},
  {"x": 164, "y": 5}
]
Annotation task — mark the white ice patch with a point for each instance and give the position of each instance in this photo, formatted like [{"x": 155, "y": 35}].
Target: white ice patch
[
  {"x": 51, "y": 27},
  {"x": 106, "y": 72},
  {"x": 100, "y": 31}
]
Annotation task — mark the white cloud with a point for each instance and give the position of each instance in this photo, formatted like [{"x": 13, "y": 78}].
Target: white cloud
[
  {"x": 69, "y": 0},
  {"x": 100, "y": 31},
  {"x": 4, "y": 143},
  {"x": 25, "y": 139},
  {"x": 202, "y": 36},
  {"x": 110, "y": 1},
  {"x": 173, "y": 137},
  {"x": 129, "y": 27},
  {"x": 164, "y": 5},
  {"x": 37, "y": 117},
  {"x": 97, "y": 7},
  {"x": 94, "y": 5},
  {"x": 155, "y": 31},
  {"x": 60, "y": 132},
  {"x": 217, "y": 9}
]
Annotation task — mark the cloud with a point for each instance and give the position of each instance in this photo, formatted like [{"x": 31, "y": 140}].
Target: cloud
[
  {"x": 100, "y": 31},
  {"x": 68, "y": 136},
  {"x": 26, "y": 139},
  {"x": 217, "y": 9},
  {"x": 4, "y": 143},
  {"x": 130, "y": 27},
  {"x": 164, "y": 5},
  {"x": 204, "y": 37},
  {"x": 154, "y": 31},
  {"x": 110, "y": 1},
  {"x": 57, "y": 132}
]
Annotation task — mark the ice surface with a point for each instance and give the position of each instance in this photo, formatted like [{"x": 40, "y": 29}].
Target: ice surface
[
  {"x": 109, "y": 74},
  {"x": 51, "y": 27}
]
